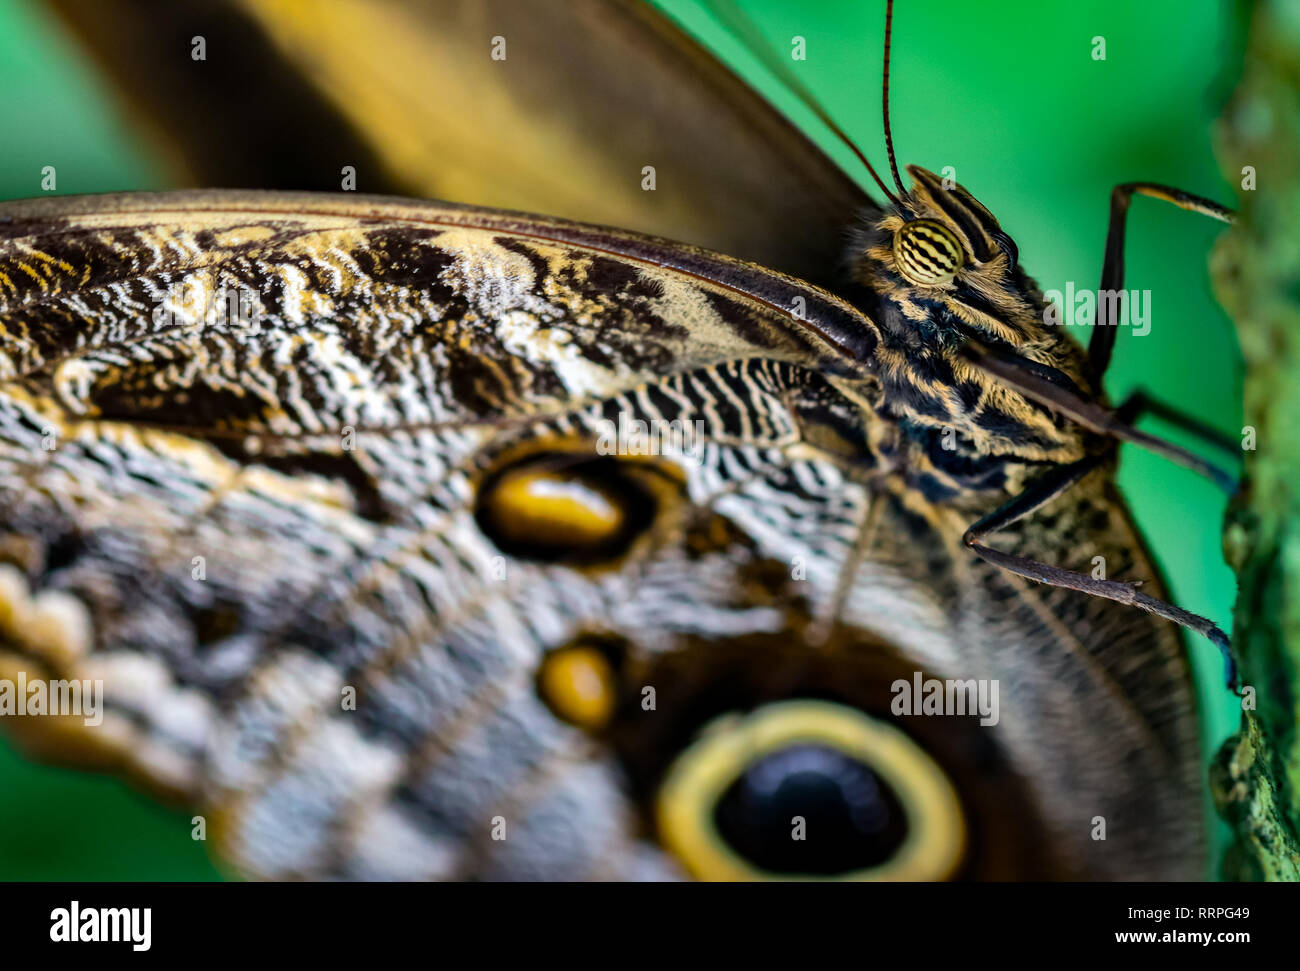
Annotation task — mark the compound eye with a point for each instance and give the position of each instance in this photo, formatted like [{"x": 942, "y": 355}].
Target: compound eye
[{"x": 927, "y": 253}]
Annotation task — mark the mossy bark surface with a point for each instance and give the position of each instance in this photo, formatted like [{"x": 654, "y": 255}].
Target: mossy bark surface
[{"x": 1256, "y": 777}]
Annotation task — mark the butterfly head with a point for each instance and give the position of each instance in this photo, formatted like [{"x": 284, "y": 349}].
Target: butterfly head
[
  {"x": 935, "y": 270},
  {"x": 941, "y": 258}
]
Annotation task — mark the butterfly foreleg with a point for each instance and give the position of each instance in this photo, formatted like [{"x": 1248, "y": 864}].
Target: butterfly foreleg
[
  {"x": 1112, "y": 269},
  {"x": 1140, "y": 403},
  {"x": 820, "y": 632},
  {"x": 1039, "y": 493}
]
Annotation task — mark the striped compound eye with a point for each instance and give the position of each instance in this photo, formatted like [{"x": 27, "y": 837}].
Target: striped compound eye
[{"x": 927, "y": 253}]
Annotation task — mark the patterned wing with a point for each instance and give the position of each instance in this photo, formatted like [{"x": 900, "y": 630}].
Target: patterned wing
[
  {"x": 552, "y": 106},
  {"x": 358, "y": 511}
]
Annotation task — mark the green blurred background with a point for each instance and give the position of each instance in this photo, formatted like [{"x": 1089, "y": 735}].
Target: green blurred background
[{"x": 1009, "y": 94}]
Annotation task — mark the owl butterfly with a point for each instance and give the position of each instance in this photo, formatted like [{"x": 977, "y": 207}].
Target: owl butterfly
[{"x": 472, "y": 544}]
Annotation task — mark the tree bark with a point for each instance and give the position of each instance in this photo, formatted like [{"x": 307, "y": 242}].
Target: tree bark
[{"x": 1256, "y": 777}]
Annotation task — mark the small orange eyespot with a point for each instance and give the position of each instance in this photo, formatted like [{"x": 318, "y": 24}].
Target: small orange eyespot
[{"x": 578, "y": 685}]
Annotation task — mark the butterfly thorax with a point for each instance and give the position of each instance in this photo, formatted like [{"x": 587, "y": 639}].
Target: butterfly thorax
[{"x": 935, "y": 273}]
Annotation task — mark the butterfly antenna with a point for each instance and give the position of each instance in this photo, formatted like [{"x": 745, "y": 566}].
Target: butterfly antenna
[
  {"x": 735, "y": 20},
  {"x": 884, "y": 97}
]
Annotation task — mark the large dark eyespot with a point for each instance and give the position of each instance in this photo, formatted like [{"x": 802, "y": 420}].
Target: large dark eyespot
[
  {"x": 855, "y": 814},
  {"x": 810, "y": 789},
  {"x": 927, "y": 253}
]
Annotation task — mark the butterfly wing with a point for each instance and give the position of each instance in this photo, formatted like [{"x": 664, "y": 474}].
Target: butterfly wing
[
  {"x": 567, "y": 108},
  {"x": 270, "y": 528}
]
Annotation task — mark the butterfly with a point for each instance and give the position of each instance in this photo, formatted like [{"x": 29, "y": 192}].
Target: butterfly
[{"x": 364, "y": 583}]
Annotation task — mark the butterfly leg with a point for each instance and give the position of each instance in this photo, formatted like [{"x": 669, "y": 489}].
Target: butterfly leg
[
  {"x": 820, "y": 632},
  {"x": 1112, "y": 268},
  {"x": 1039, "y": 493},
  {"x": 1140, "y": 403}
]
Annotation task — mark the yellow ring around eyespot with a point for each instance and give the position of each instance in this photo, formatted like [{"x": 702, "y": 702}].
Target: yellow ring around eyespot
[
  {"x": 578, "y": 685},
  {"x": 936, "y": 830}
]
